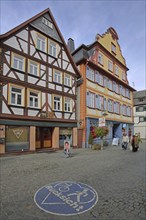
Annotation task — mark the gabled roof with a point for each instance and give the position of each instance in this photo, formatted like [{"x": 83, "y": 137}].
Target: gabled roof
[{"x": 24, "y": 24}]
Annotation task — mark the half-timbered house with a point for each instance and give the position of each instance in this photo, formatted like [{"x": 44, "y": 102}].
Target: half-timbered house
[{"x": 38, "y": 83}]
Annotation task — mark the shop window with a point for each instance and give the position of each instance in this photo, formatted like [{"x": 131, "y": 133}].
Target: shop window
[{"x": 17, "y": 138}]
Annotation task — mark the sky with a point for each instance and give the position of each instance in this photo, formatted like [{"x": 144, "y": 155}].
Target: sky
[{"x": 82, "y": 20}]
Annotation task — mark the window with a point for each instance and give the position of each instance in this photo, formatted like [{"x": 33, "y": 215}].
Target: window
[
  {"x": 110, "y": 85},
  {"x": 33, "y": 68},
  {"x": 52, "y": 48},
  {"x": 41, "y": 43},
  {"x": 67, "y": 80},
  {"x": 110, "y": 66},
  {"x": 141, "y": 99},
  {"x": 140, "y": 108},
  {"x": 34, "y": 99},
  {"x": 90, "y": 73},
  {"x": 105, "y": 81},
  {"x": 142, "y": 119},
  {"x": 58, "y": 103},
  {"x": 127, "y": 93},
  {"x": 117, "y": 70},
  {"x": 100, "y": 58},
  {"x": 67, "y": 104},
  {"x": 90, "y": 99},
  {"x": 18, "y": 62},
  {"x": 124, "y": 92},
  {"x": 100, "y": 79},
  {"x": 47, "y": 22},
  {"x": 116, "y": 107},
  {"x": 123, "y": 75},
  {"x": 110, "y": 105},
  {"x": 57, "y": 77},
  {"x": 16, "y": 96},
  {"x": 113, "y": 48}
]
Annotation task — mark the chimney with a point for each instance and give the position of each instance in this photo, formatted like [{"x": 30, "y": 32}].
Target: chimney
[{"x": 71, "y": 45}]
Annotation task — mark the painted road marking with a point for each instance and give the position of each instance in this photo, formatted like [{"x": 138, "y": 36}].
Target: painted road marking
[{"x": 66, "y": 198}]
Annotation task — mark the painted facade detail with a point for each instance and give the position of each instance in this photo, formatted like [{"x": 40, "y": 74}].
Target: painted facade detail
[
  {"x": 38, "y": 79},
  {"x": 105, "y": 91}
]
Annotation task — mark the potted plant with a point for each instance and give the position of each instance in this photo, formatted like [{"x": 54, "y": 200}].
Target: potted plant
[{"x": 101, "y": 132}]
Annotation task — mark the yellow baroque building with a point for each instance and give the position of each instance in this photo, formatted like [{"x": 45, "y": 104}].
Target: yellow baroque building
[{"x": 105, "y": 92}]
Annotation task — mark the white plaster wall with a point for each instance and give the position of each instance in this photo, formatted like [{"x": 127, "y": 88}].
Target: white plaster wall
[
  {"x": 73, "y": 116},
  {"x": 58, "y": 114},
  {"x": 70, "y": 69},
  {"x": 24, "y": 46},
  {"x": 32, "y": 112},
  {"x": 65, "y": 57},
  {"x": 5, "y": 69},
  {"x": 65, "y": 65},
  {"x": 18, "y": 111},
  {"x": 59, "y": 88},
  {"x": 13, "y": 43},
  {"x": 32, "y": 50},
  {"x": 7, "y": 58},
  {"x": 23, "y": 34},
  {"x": 5, "y": 88},
  {"x": 51, "y": 86},
  {"x": 42, "y": 83},
  {"x": 32, "y": 80},
  {"x": 5, "y": 109},
  {"x": 11, "y": 74},
  {"x": 50, "y": 99}
]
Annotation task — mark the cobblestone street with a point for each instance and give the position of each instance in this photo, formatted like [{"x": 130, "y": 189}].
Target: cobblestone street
[{"x": 118, "y": 177}]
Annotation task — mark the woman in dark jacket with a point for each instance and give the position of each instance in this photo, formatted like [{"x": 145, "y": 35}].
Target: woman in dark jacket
[{"x": 134, "y": 143}]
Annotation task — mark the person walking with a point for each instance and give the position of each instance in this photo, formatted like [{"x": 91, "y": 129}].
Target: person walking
[
  {"x": 135, "y": 143},
  {"x": 125, "y": 141}
]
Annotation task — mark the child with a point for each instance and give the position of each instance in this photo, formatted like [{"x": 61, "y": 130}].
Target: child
[{"x": 125, "y": 141}]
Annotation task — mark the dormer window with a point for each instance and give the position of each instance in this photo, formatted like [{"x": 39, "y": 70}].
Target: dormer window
[
  {"x": 113, "y": 48},
  {"x": 47, "y": 23}
]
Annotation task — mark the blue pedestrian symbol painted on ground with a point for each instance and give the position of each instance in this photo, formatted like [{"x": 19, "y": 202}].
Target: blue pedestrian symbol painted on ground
[{"x": 66, "y": 198}]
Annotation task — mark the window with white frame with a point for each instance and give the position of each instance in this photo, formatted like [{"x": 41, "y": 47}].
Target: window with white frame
[
  {"x": 100, "y": 58},
  {"x": 18, "y": 62},
  {"x": 57, "y": 103},
  {"x": 101, "y": 79},
  {"x": 117, "y": 70},
  {"x": 33, "y": 68},
  {"x": 90, "y": 73},
  {"x": 110, "y": 105},
  {"x": 67, "y": 104},
  {"x": 116, "y": 107},
  {"x": 110, "y": 65},
  {"x": 41, "y": 43},
  {"x": 52, "y": 48},
  {"x": 110, "y": 84},
  {"x": 47, "y": 23},
  {"x": 34, "y": 99},
  {"x": 57, "y": 77},
  {"x": 16, "y": 96},
  {"x": 91, "y": 99},
  {"x": 67, "y": 80}
]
